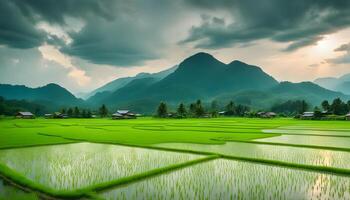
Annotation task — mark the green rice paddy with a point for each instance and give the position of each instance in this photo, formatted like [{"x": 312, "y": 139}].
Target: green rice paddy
[
  {"x": 307, "y": 156},
  {"x": 74, "y": 166},
  {"x": 310, "y": 140},
  {"x": 146, "y": 158},
  {"x": 226, "y": 179}
]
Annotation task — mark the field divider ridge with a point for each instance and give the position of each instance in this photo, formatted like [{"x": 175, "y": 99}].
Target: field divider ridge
[
  {"x": 17, "y": 178},
  {"x": 286, "y": 144},
  {"x": 148, "y": 174}
]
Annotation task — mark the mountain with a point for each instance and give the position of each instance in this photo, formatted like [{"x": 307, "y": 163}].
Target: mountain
[
  {"x": 341, "y": 84},
  {"x": 121, "y": 82},
  {"x": 200, "y": 76},
  {"x": 52, "y": 95}
]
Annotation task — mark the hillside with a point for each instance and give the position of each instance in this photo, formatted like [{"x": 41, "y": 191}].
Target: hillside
[
  {"x": 341, "y": 84},
  {"x": 52, "y": 94},
  {"x": 121, "y": 82},
  {"x": 200, "y": 76}
]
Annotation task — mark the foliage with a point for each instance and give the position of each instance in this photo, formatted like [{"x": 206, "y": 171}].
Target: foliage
[
  {"x": 199, "y": 109},
  {"x": 181, "y": 111},
  {"x": 11, "y": 107},
  {"x": 325, "y": 105},
  {"x": 291, "y": 107},
  {"x": 162, "y": 110},
  {"x": 338, "y": 107},
  {"x": 103, "y": 110}
]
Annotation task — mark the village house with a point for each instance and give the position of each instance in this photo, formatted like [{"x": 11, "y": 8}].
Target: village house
[
  {"x": 307, "y": 115},
  {"x": 266, "y": 114},
  {"x": 55, "y": 115},
  {"x": 222, "y": 113},
  {"x": 48, "y": 116},
  {"x": 347, "y": 116},
  {"x": 25, "y": 115},
  {"x": 123, "y": 114}
]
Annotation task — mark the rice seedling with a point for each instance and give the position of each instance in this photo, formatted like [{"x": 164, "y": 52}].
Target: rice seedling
[
  {"x": 307, "y": 156},
  {"x": 74, "y": 166},
  {"x": 227, "y": 179}
]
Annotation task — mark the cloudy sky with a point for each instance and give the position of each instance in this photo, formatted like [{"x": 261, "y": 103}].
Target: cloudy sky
[{"x": 82, "y": 44}]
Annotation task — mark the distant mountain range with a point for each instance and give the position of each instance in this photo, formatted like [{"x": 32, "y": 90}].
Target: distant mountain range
[
  {"x": 341, "y": 84},
  {"x": 200, "y": 76},
  {"x": 51, "y": 95},
  {"x": 121, "y": 82}
]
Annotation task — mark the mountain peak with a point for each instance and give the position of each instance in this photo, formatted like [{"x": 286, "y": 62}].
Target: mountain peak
[
  {"x": 236, "y": 62},
  {"x": 200, "y": 57},
  {"x": 53, "y": 85},
  {"x": 200, "y": 60}
]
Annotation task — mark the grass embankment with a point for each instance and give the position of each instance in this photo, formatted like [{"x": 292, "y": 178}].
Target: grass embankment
[{"x": 288, "y": 144}]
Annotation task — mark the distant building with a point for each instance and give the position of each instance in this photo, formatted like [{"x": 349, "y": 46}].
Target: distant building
[
  {"x": 25, "y": 115},
  {"x": 55, "y": 115},
  {"x": 347, "y": 116},
  {"x": 58, "y": 115},
  {"x": 307, "y": 115},
  {"x": 48, "y": 116},
  {"x": 266, "y": 114},
  {"x": 325, "y": 112},
  {"x": 222, "y": 112},
  {"x": 123, "y": 114}
]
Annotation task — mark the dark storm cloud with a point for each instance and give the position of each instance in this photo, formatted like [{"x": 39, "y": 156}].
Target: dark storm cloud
[
  {"x": 115, "y": 32},
  {"x": 300, "y": 22},
  {"x": 54, "y": 11},
  {"x": 120, "y": 42},
  {"x": 303, "y": 42},
  {"x": 343, "y": 47},
  {"x": 343, "y": 59},
  {"x": 18, "y": 18},
  {"x": 126, "y": 33},
  {"x": 15, "y": 29}
]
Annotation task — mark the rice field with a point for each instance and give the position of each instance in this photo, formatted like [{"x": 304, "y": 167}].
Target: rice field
[
  {"x": 226, "y": 179},
  {"x": 341, "y": 133},
  {"x": 151, "y": 158},
  {"x": 306, "y": 156},
  {"x": 310, "y": 140},
  {"x": 74, "y": 166},
  {"x": 10, "y": 192}
]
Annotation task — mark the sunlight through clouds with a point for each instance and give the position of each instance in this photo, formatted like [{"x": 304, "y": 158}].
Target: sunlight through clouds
[{"x": 51, "y": 53}]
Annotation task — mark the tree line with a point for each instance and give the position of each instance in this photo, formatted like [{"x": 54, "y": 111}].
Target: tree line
[
  {"x": 11, "y": 107},
  {"x": 337, "y": 107},
  {"x": 291, "y": 107},
  {"x": 197, "y": 109},
  {"x": 76, "y": 112}
]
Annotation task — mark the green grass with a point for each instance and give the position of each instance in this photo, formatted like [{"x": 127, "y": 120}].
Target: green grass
[
  {"x": 149, "y": 133},
  {"x": 26, "y": 132}
]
